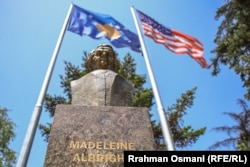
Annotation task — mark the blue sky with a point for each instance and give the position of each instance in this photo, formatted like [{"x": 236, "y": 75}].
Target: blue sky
[{"x": 29, "y": 31}]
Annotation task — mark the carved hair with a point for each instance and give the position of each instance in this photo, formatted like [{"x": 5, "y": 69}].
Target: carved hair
[{"x": 91, "y": 64}]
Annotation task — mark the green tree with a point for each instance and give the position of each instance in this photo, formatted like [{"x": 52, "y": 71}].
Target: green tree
[
  {"x": 142, "y": 97},
  {"x": 183, "y": 135},
  {"x": 7, "y": 155},
  {"x": 233, "y": 40},
  {"x": 239, "y": 134}
]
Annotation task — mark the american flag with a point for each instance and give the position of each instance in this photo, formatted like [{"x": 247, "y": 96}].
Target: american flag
[{"x": 175, "y": 41}]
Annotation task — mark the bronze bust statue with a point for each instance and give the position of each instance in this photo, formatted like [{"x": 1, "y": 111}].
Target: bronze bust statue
[
  {"x": 103, "y": 57},
  {"x": 102, "y": 86}
]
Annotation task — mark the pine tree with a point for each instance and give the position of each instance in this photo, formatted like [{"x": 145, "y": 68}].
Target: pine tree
[
  {"x": 239, "y": 134},
  {"x": 233, "y": 49},
  {"x": 233, "y": 40},
  {"x": 183, "y": 136}
]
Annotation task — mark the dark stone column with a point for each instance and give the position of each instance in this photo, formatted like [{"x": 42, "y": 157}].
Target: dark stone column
[{"x": 96, "y": 136}]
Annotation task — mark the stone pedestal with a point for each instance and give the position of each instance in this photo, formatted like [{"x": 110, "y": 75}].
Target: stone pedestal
[{"x": 96, "y": 136}]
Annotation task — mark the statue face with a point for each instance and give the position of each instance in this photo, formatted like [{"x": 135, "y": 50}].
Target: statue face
[{"x": 103, "y": 57}]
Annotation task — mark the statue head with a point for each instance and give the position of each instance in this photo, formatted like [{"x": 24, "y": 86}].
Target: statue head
[{"x": 103, "y": 57}]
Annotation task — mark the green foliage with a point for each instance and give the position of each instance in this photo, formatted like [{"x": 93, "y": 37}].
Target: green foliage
[
  {"x": 233, "y": 40},
  {"x": 50, "y": 103},
  {"x": 45, "y": 131},
  {"x": 72, "y": 72},
  {"x": 239, "y": 134},
  {"x": 142, "y": 97},
  {"x": 233, "y": 49},
  {"x": 243, "y": 147},
  {"x": 7, "y": 155},
  {"x": 183, "y": 135}
]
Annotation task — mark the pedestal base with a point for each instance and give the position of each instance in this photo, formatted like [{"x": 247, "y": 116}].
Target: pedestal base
[{"x": 96, "y": 136}]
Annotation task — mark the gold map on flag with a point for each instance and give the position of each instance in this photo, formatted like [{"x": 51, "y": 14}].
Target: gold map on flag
[{"x": 109, "y": 31}]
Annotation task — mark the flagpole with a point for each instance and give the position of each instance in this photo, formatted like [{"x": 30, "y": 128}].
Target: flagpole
[
  {"x": 30, "y": 133},
  {"x": 168, "y": 139}
]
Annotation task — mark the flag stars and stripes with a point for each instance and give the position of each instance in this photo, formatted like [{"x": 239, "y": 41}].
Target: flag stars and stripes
[
  {"x": 154, "y": 24},
  {"x": 175, "y": 41}
]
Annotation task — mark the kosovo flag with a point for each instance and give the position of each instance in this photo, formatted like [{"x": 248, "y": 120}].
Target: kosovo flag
[{"x": 96, "y": 26}]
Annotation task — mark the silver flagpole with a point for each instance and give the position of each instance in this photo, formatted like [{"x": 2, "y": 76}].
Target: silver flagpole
[
  {"x": 168, "y": 139},
  {"x": 30, "y": 134}
]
